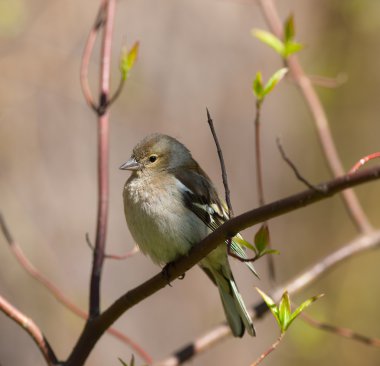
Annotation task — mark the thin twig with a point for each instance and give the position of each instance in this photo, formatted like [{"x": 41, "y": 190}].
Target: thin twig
[
  {"x": 294, "y": 168},
  {"x": 117, "y": 92},
  {"x": 119, "y": 257},
  {"x": 103, "y": 152},
  {"x": 216, "y": 335},
  {"x": 269, "y": 350},
  {"x": 342, "y": 332},
  {"x": 350, "y": 199},
  {"x": 87, "y": 52},
  {"x": 57, "y": 293},
  {"x": 32, "y": 329},
  {"x": 364, "y": 160},
  {"x": 260, "y": 178},
  {"x": 222, "y": 165},
  {"x": 96, "y": 327},
  {"x": 259, "y": 171},
  {"x": 330, "y": 83}
]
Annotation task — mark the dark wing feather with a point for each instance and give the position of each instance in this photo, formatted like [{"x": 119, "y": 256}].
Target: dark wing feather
[{"x": 201, "y": 198}]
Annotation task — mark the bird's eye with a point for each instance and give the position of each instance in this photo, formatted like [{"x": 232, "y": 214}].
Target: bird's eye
[{"x": 152, "y": 158}]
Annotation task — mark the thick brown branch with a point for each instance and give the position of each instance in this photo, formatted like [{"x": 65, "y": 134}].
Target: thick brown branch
[
  {"x": 31, "y": 328},
  {"x": 96, "y": 327}
]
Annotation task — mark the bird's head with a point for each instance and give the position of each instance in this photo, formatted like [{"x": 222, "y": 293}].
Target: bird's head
[{"x": 156, "y": 153}]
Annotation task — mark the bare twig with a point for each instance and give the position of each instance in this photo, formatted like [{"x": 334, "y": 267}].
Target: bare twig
[
  {"x": 342, "y": 332},
  {"x": 216, "y": 335},
  {"x": 321, "y": 123},
  {"x": 260, "y": 178},
  {"x": 32, "y": 329},
  {"x": 259, "y": 173},
  {"x": 222, "y": 165},
  {"x": 294, "y": 168},
  {"x": 364, "y": 160},
  {"x": 58, "y": 294},
  {"x": 96, "y": 327},
  {"x": 327, "y": 82},
  {"x": 103, "y": 151},
  {"x": 127, "y": 255},
  {"x": 99, "y": 21},
  {"x": 269, "y": 350}
]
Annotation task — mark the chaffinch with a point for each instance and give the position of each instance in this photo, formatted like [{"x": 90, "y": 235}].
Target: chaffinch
[{"x": 170, "y": 205}]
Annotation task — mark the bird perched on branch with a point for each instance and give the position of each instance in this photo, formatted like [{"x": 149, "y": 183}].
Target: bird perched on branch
[{"x": 170, "y": 205}]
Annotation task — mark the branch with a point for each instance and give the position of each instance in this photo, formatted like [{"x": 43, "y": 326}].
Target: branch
[
  {"x": 95, "y": 328},
  {"x": 222, "y": 331},
  {"x": 88, "y": 49},
  {"x": 222, "y": 164},
  {"x": 57, "y": 293},
  {"x": 269, "y": 350},
  {"x": 343, "y": 332},
  {"x": 31, "y": 328},
  {"x": 103, "y": 151},
  {"x": 321, "y": 123}
]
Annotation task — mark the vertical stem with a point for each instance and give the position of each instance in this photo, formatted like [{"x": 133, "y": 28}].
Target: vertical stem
[
  {"x": 259, "y": 172},
  {"x": 103, "y": 120},
  {"x": 334, "y": 163}
]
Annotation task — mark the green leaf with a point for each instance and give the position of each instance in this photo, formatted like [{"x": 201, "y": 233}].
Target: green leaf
[
  {"x": 289, "y": 30},
  {"x": 128, "y": 59},
  {"x": 269, "y": 39},
  {"x": 302, "y": 307},
  {"x": 274, "y": 80},
  {"x": 269, "y": 251},
  {"x": 271, "y": 305},
  {"x": 284, "y": 311},
  {"x": 122, "y": 362},
  {"x": 292, "y": 47},
  {"x": 262, "y": 239},
  {"x": 257, "y": 86},
  {"x": 243, "y": 243}
]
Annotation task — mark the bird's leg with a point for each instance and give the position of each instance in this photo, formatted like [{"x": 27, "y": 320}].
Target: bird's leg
[{"x": 166, "y": 273}]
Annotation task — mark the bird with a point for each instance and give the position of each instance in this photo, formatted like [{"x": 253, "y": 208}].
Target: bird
[{"x": 170, "y": 204}]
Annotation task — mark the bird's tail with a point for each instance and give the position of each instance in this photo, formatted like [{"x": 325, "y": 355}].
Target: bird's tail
[{"x": 234, "y": 307}]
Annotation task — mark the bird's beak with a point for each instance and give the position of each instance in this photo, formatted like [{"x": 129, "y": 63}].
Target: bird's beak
[{"x": 131, "y": 164}]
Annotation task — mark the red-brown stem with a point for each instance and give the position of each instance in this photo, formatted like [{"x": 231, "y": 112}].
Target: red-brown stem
[
  {"x": 364, "y": 160},
  {"x": 350, "y": 199},
  {"x": 31, "y": 328},
  {"x": 58, "y": 294},
  {"x": 87, "y": 52},
  {"x": 269, "y": 350},
  {"x": 103, "y": 119}
]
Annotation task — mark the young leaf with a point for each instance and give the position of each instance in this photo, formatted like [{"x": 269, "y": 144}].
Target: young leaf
[
  {"x": 289, "y": 31},
  {"x": 269, "y": 39},
  {"x": 274, "y": 80},
  {"x": 284, "y": 312},
  {"x": 244, "y": 243},
  {"x": 270, "y": 303},
  {"x": 257, "y": 86},
  {"x": 303, "y": 306},
  {"x": 262, "y": 239},
  {"x": 292, "y": 47},
  {"x": 128, "y": 59}
]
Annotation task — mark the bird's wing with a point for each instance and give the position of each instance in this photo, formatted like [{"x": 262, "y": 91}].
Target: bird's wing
[{"x": 201, "y": 198}]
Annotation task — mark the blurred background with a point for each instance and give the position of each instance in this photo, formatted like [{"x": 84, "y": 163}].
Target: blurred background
[{"x": 193, "y": 54}]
